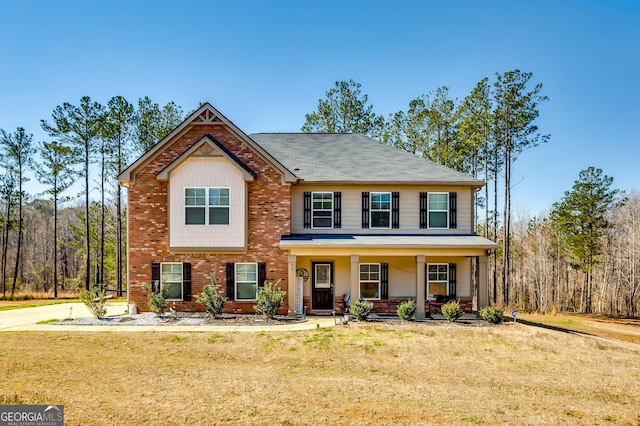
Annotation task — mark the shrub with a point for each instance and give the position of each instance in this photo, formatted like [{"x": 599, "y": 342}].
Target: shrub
[
  {"x": 269, "y": 299},
  {"x": 95, "y": 299},
  {"x": 209, "y": 298},
  {"x": 451, "y": 310},
  {"x": 157, "y": 299},
  {"x": 492, "y": 314},
  {"x": 360, "y": 309},
  {"x": 407, "y": 309}
]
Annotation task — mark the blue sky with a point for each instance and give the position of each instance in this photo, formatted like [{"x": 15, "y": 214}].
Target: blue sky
[{"x": 264, "y": 64}]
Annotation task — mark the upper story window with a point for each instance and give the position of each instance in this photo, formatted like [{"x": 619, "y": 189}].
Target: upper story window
[
  {"x": 381, "y": 210},
  {"x": 322, "y": 209},
  {"x": 206, "y": 206},
  {"x": 438, "y": 209}
]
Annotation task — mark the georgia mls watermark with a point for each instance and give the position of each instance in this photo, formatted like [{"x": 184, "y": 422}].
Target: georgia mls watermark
[{"x": 31, "y": 415}]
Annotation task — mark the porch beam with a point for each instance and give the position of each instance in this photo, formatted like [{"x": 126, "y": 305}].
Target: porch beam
[{"x": 420, "y": 287}]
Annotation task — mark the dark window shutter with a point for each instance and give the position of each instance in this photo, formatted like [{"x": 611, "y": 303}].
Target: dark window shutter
[
  {"x": 337, "y": 209},
  {"x": 155, "y": 277},
  {"x": 231, "y": 281},
  {"x": 452, "y": 280},
  {"x": 395, "y": 210},
  {"x": 423, "y": 211},
  {"x": 365, "y": 210},
  {"x": 384, "y": 281},
  {"x": 186, "y": 281},
  {"x": 262, "y": 273},
  {"x": 453, "y": 204},
  {"x": 307, "y": 209}
]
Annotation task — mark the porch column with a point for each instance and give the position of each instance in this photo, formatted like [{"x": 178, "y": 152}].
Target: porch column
[
  {"x": 291, "y": 277},
  {"x": 420, "y": 291},
  {"x": 483, "y": 282},
  {"x": 355, "y": 275}
]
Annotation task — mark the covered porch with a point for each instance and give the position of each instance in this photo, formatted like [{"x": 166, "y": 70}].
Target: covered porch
[{"x": 385, "y": 270}]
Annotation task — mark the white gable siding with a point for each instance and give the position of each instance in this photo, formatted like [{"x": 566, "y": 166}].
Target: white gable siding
[
  {"x": 206, "y": 173},
  {"x": 409, "y": 210}
]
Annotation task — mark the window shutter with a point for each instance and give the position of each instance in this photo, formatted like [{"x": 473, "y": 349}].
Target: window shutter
[
  {"x": 231, "y": 281},
  {"x": 452, "y": 280},
  {"x": 307, "y": 209},
  {"x": 155, "y": 277},
  {"x": 186, "y": 281},
  {"x": 453, "y": 203},
  {"x": 337, "y": 209},
  {"x": 395, "y": 210},
  {"x": 423, "y": 211},
  {"x": 365, "y": 210},
  {"x": 384, "y": 281},
  {"x": 262, "y": 274}
]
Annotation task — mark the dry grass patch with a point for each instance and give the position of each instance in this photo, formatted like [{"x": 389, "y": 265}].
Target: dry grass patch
[{"x": 355, "y": 374}]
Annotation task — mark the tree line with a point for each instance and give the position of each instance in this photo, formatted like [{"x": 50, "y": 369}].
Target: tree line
[
  {"x": 83, "y": 241},
  {"x": 581, "y": 257}
]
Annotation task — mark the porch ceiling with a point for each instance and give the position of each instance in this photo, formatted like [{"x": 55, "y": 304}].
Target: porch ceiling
[{"x": 462, "y": 245}]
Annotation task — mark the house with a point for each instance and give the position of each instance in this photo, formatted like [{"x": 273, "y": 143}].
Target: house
[{"x": 326, "y": 215}]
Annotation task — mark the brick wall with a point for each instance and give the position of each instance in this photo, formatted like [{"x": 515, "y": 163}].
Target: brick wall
[{"x": 269, "y": 217}]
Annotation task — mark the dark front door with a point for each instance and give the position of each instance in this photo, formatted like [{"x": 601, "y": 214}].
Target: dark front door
[{"x": 322, "y": 291}]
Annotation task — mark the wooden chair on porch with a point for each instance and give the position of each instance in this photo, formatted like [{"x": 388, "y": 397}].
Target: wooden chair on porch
[{"x": 436, "y": 304}]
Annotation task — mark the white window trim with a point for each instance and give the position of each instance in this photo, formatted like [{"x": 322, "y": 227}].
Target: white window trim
[
  {"x": 181, "y": 279},
  {"x": 235, "y": 281},
  {"x": 379, "y": 210},
  {"x": 369, "y": 281},
  {"x": 437, "y": 211},
  {"x": 313, "y": 210},
  {"x": 446, "y": 281},
  {"x": 206, "y": 205}
]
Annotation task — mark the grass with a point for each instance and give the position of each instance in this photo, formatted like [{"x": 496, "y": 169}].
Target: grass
[
  {"x": 7, "y": 305},
  {"x": 621, "y": 329},
  {"x": 356, "y": 374}
]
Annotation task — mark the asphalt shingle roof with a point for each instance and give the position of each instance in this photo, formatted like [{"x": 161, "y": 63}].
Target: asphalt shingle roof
[{"x": 354, "y": 158}]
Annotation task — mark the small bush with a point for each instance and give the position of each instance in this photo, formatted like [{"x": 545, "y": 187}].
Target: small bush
[
  {"x": 360, "y": 309},
  {"x": 209, "y": 298},
  {"x": 157, "y": 300},
  {"x": 407, "y": 309},
  {"x": 269, "y": 299},
  {"x": 492, "y": 314},
  {"x": 451, "y": 310},
  {"x": 95, "y": 299}
]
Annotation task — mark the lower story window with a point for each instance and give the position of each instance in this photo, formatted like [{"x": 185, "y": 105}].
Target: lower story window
[
  {"x": 370, "y": 281},
  {"x": 171, "y": 280},
  {"x": 437, "y": 279},
  {"x": 246, "y": 280}
]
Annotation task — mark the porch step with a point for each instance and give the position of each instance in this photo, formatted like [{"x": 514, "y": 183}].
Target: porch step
[{"x": 321, "y": 313}]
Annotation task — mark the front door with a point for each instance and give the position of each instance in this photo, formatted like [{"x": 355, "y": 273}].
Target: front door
[{"x": 322, "y": 282}]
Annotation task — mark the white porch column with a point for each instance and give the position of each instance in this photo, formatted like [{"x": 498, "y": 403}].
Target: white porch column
[
  {"x": 355, "y": 277},
  {"x": 483, "y": 282},
  {"x": 420, "y": 290},
  {"x": 291, "y": 277}
]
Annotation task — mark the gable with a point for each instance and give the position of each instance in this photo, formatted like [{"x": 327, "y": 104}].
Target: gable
[
  {"x": 208, "y": 147},
  {"x": 206, "y": 115}
]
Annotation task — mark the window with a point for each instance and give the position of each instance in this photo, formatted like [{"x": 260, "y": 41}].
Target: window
[
  {"x": 322, "y": 209},
  {"x": 246, "y": 279},
  {"x": 380, "y": 209},
  {"x": 438, "y": 209},
  {"x": 171, "y": 280},
  {"x": 437, "y": 279},
  {"x": 196, "y": 202},
  {"x": 370, "y": 281}
]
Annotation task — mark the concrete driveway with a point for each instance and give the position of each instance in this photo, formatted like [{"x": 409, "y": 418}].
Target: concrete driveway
[{"x": 26, "y": 319}]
